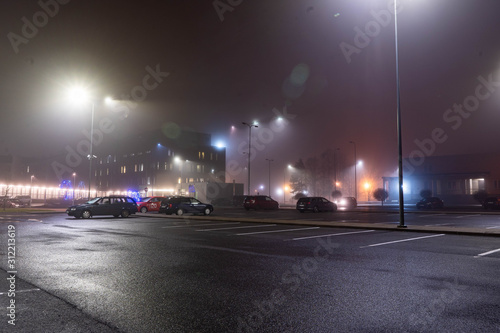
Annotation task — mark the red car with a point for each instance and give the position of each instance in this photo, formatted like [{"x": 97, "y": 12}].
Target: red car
[
  {"x": 260, "y": 202},
  {"x": 149, "y": 204}
]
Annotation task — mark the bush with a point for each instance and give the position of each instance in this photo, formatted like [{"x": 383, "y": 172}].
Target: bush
[
  {"x": 336, "y": 194},
  {"x": 380, "y": 194},
  {"x": 299, "y": 195},
  {"x": 480, "y": 196}
]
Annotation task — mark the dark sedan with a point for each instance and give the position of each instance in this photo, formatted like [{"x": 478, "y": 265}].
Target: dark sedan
[
  {"x": 182, "y": 205},
  {"x": 112, "y": 205},
  {"x": 430, "y": 203},
  {"x": 491, "y": 203},
  {"x": 315, "y": 204}
]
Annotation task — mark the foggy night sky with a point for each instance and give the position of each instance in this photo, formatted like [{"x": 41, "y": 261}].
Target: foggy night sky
[{"x": 223, "y": 73}]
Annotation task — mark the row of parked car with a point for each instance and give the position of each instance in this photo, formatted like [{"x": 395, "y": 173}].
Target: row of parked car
[
  {"x": 125, "y": 206},
  {"x": 15, "y": 202}
]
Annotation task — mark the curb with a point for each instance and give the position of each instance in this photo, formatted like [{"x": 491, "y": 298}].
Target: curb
[{"x": 391, "y": 227}]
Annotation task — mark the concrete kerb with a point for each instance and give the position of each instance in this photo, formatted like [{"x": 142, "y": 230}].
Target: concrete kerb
[{"x": 382, "y": 226}]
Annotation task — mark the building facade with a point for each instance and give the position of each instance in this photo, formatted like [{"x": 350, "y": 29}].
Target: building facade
[{"x": 453, "y": 178}]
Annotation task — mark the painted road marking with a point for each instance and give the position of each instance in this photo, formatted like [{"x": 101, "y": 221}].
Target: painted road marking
[
  {"x": 486, "y": 253},
  {"x": 198, "y": 225},
  {"x": 328, "y": 235},
  {"x": 402, "y": 240},
  {"x": 22, "y": 291},
  {"x": 230, "y": 228},
  {"x": 283, "y": 230}
]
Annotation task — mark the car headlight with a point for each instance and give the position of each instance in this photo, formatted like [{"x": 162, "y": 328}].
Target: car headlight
[{"x": 72, "y": 209}]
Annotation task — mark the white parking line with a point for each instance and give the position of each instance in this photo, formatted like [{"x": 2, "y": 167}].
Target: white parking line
[
  {"x": 251, "y": 226},
  {"x": 22, "y": 291},
  {"x": 431, "y": 215},
  {"x": 486, "y": 253},
  {"x": 198, "y": 225},
  {"x": 493, "y": 227},
  {"x": 283, "y": 230},
  {"x": 339, "y": 234},
  {"x": 402, "y": 240},
  {"x": 431, "y": 225}
]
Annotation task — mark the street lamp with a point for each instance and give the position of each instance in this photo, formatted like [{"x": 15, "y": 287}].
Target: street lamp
[
  {"x": 31, "y": 186},
  {"x": 269, "y": 160},
  {"x": 335, "y": 166},
  {"x": 398, "y": 111},
  {"x": 81, "y": 95},
  {"x": 355, "y": 175},
  {"x": 249, "y": 150},
  {"x": 74, "y": 184}
]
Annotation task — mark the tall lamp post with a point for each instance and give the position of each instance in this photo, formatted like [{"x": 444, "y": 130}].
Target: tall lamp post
[
  {"x": 355, "y": 173},
  {"x": 31, "y": 186},
  {"x": 269, "y": 160},
  {"x": 249, "y": 151},
  {"x": 398, "y": 110},
  {"x": 91, "y": 156},
  {"x": 81, "y": 95},
  {"x": 74, "y": 184}
]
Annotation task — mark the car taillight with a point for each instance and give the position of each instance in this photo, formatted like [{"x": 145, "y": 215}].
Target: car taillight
[{"x": 169, "y": 205}]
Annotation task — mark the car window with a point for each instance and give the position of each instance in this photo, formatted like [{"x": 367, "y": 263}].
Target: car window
[{"x": 195, "y": 201}]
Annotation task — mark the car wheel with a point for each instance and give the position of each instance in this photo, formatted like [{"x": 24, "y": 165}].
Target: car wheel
[
  {"x": 207, "y": 211},
  {"x": 86, "y": 214},
  {"x": 125, "y": 213},
  {"x": 180, "y": 212},
  {"x": 315, "y": 209},
  {"x": 144, "y": 210}
]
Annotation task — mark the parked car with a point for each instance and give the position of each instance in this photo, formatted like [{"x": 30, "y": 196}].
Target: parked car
[
  {"x": 150, "y": 204},
  {"x": 491, "y": 203},
  {"x": 315, "y": 204},
  {"x": 24, "y": 200},
  {"x": 111, "y": 205},
  {"x": 347, "y": 202},
  {"x": 260, "y": 202},
  {"x": 182, "y": 205},
  {"x": 8, "y": 203},
  {"x": 430, "y": 203}
]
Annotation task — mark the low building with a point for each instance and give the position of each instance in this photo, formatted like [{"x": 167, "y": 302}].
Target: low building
[{"x": 453, "y": 178}]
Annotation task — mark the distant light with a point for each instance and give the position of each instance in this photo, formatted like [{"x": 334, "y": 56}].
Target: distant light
[
  {"x": 78, "y": 94},
  {"x": 279, "y": 191},
  {"x": 360, "y": 163},
  {"x": 255, "y": 122},
  {"x": 158, "y": 145},
  {"x": 367, "y": 185},
  {"x": 261, "y": 187},
  {"x": 279, "y": 119},
  {"x": 336, "y": 15},
  {"x": 220, "y": 144}
]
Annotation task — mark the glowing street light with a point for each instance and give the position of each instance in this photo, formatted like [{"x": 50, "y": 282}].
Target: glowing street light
[
  {"x": 81, "y": 95},
  {"x": 74, "y": 184},
  {"x": 398, "y": 112},
  {"x": 254, "y": 124},
  {"x": 269, "y": 160},
  {"x": 355, "y": 173},
  {"x": 31, "y": 186},
  {"x": 367, "y": 186}
]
